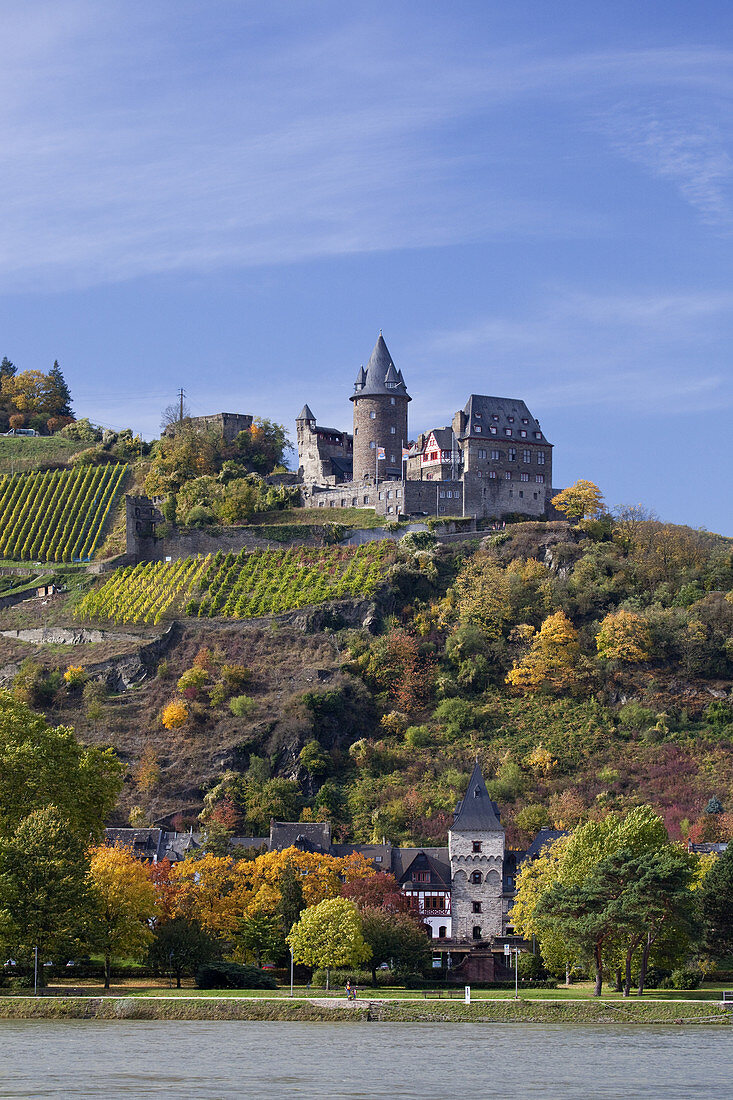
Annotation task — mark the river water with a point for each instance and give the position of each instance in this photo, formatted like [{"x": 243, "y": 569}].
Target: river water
[{"x": 40, "y": 1058}]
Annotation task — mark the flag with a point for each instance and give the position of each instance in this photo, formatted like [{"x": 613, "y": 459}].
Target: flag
[{"x": 381, "y": 453}]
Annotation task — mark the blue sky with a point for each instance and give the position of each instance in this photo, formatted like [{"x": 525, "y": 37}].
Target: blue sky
[{"x": 531, "y": 199}]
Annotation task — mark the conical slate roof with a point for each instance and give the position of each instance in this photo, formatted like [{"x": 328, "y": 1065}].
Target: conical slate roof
[
  {"x": 476, "y": 811},
  {"x": 306, "y": 414},
  {"x": 381, "y": 375}
]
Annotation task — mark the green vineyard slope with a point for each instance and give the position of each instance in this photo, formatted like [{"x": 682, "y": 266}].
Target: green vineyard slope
[
  {"x": 239, "y": 586},
  {"x": 56, "y": 515}
]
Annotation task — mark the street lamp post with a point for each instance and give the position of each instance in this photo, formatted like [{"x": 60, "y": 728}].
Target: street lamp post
[
  {"x": 292, "y": 963},
  {"x": 509, "y": 950}
]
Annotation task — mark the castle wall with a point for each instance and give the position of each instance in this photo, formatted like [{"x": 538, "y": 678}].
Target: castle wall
[{"x": 316, "y": 447}]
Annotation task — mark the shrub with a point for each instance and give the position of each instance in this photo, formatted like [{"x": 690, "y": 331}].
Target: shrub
[
  {"x": 242, "y": 705},
  {"x": 633, "y": 716},
  {"x": 229, "y": 975},
  {"x": 175, "y": 714},
  {"x": 686, "y": 979},
  {"x": 74, "y": 676}
]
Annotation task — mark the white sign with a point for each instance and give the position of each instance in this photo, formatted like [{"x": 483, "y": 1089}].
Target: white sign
[
  {"x": 507, "y": 949},
  {"x": 468, "y": 995}
]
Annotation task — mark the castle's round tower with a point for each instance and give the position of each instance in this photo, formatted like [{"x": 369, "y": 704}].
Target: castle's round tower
[{"x": 380, "y": 417}]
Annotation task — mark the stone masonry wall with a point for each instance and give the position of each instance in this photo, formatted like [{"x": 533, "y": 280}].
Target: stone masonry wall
[{"x": 489, "y": 863}]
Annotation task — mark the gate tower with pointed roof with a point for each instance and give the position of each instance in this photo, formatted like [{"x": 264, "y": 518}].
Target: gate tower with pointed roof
[
  {"x": 476, "y": 853},
  {"x": 380, "y": 401}
]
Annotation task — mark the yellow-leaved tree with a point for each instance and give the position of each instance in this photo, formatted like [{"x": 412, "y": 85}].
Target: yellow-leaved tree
[
  {"x": 220, "y": 892},
  {"x": 125, "y": 904},
  {"x": 329, "y": 934},
  {"x": 624, "y": 637},
  {"x": 175, "y": 714},
  {"x": 583, "y": 500},
  {"x": 554, "y": 662}
]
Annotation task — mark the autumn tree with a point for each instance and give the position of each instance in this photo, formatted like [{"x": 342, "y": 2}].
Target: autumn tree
[
  {"x": 45, "y": 900},
  {"x": 554, "y": 663},
  {"x": 583, "y": 500},
  {"x": 329, "y": 934},
  {"x": 624, "y": 637},
  {"x": 42, "y": 765},
  {"x": 125, "y": 904}
]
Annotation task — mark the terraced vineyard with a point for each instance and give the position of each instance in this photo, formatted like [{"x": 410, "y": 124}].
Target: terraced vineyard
[
  {"x": 56, "y": 515},
  {"x": 238, "y": 586}
]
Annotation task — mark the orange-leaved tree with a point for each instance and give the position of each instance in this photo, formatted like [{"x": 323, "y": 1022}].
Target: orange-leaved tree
[{"x": 126, "y": 904}]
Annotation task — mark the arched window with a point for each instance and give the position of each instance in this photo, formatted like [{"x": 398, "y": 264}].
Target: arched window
[
  {"x": 477, "y": 931},
  {"x": 442, "y": 931},
  {"x": 429, "y": 930},
  {"x": 476, "y": 877}
]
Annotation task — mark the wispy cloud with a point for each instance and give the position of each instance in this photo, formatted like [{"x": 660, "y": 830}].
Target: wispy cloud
[
  {"x": 138, "y": 140},
  {"x": 638, "y": 352}
]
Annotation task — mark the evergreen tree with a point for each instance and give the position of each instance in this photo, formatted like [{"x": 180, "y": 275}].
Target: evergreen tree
[
  {"x": 58, "y": 396},
  {"x": 716, "y": 902},
  {"x": 7, "y": 369}
]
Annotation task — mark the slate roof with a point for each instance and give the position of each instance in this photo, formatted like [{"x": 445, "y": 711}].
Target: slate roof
[
  {"x": 306, "y": 414},
  {"x": 545, "y": 836},
  {"x": 143, "y": 843},
  {"x": 342, "y": 467},
  {"x": 476, "y": 811},
  {"x": 443, "y": 437},
  {"x": 407, "y": 860},
  {"x": 381, "y": 375},
  {"x": 503, "y": 408},
  {"x": 309, "y": 836}
]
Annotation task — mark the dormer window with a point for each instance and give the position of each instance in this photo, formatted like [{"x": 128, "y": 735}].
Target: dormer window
[
  {"x": 492, "y": 429},
  {"x": 494, "y": 416},
  {"x": 538, "y": 435},
  {"x": 477, "y": 846},
  {"x": 523, "y": 433},
  {"x": 477, "y": 416},
  {"x": 477, "y": 428},
  {"x": 507, "y": 431},
  {"x": 524, "y": 420},
  {"x": 510, "y": 419}
]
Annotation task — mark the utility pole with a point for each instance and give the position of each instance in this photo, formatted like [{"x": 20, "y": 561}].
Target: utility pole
[{"x": 181, "y": 396}]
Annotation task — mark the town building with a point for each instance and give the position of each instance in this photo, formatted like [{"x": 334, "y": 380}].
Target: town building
[
  {"x": 493, "y": 460},
  {"x": 463, "y": 892}
]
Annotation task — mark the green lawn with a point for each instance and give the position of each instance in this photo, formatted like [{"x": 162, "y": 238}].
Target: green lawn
[
  {"x": 26, "y": 452},
  {"x": 580, "y": 992}
]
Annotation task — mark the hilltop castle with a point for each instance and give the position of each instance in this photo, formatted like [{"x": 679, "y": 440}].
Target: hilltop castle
[{"x": 493, "y": 460}]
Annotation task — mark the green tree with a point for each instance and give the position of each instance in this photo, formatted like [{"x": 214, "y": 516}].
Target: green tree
[
  {"x": 395, "y": 938},
  {"x": 7, "y": 369},
  {"x": 291, "y": 903},
  {"x": 259, "y": 937},
  {"x": 567, "y": 903},
  {"x": 45, "y": 900},
  {"x": 41, "y": 764},
  {"x": 180, "y": 946},
  {"x": 329, "y": 934},
  {"x": 716, "y": 903}
]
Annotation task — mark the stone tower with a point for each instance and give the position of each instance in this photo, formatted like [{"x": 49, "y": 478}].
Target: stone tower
[
  {"x": 380, "y": 417},
  {"x": 476, "y": 853}
]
